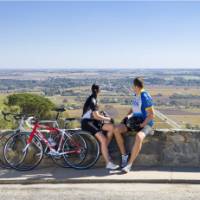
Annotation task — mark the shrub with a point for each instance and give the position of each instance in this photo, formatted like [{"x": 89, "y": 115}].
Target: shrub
[{"x": 31, "y": 104}]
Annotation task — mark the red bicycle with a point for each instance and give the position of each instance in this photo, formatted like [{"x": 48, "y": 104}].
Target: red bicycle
[{"x": 24, "y": 151}]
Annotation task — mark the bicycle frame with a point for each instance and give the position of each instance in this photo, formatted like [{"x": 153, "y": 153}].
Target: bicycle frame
[{"x": 40, "y": 135}]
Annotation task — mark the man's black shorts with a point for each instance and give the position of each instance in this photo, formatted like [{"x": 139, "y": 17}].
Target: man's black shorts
[{"x": 91, "y": 125}]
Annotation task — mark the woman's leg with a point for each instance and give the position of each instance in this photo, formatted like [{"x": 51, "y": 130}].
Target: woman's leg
[
  {"x": 110, "y": 132},
  {"x": 104, "y": 148},
  {"x": 95, "y": 130}
]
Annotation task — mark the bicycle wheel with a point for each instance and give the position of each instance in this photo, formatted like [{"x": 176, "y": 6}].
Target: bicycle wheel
[
  {"x": 20, "y": 158},
  {"x": 91, "y": 154},
  {"x": 75, "y": 148},
  {"x": 3, "y": 138}
]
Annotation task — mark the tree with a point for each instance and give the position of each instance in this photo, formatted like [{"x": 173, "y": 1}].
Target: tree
[{"x": 31, "y": 104}]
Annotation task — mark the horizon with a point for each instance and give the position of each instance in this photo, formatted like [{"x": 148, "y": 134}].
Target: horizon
[{"x": 98, "y": 68}]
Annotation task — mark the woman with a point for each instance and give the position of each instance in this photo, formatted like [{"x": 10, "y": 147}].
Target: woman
[{"x": 92, "y": 121}]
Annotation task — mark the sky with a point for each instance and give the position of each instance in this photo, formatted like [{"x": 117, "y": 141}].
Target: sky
[{"x": 99, "y": 34}]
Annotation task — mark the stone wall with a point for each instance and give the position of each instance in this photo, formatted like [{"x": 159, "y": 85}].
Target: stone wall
[
  {"x": 166, "y": 148},
  {"x": 169, "y": 148}
]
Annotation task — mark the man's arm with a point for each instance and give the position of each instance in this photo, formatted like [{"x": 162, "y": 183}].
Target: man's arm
[{"x": 150, "y": 116}]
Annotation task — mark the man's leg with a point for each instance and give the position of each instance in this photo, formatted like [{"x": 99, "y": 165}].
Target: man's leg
[
  {"x": 119, "y": 130},
  {"x": 137, "y": 147},
  {"x": 135, "y": 150},
  {"x": 147, "y": 130}
]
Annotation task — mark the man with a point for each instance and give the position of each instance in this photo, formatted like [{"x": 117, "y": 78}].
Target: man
[
  {"x": 142, "y": 109},
  {"x": 93, "y": 122}
]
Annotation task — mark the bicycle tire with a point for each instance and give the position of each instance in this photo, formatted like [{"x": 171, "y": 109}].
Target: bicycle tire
[
  {"x": 74, "y": 159},
  {"x": 3, "y": 138},
  {"x": 26, "y": 162},
  {"x": 93, "y": 151}
]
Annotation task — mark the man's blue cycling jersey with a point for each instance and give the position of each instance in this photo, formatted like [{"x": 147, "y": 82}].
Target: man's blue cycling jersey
[{"x": 141, "y": 103}]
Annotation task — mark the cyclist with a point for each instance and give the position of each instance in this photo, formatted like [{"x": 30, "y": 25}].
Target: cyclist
[
  {"x": 96, "y": 123},
  {"x": 140, "y": 118}
]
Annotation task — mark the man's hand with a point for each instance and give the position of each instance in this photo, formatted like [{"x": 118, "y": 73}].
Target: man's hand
[{"x": 142, "y": 125}]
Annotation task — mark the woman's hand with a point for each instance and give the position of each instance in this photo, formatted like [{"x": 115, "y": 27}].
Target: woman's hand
[
  {"x": 124, "y": 120},
  {"x": 108, "y": 119},
  {"x": 112, "y": 120}
]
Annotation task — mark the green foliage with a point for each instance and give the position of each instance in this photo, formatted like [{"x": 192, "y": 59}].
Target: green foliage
[
  {"x": 6, "y": 125},
  {"x": 31, "y": 104}
]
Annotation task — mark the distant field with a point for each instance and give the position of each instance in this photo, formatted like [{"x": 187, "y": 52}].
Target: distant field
[
  {"x": 169, "y": 90},
  {"x": 189, "y": 110},
  {"x": 178, "y": 112},
  {"x": 180, "y": 115},
  {"x": 117, "y": 111},
  {"x": 115, "y": 87},
  {"x": 154, "y": 90},
  {"x": 185, "y": 119},
  {"x": 45, "y": 74},
  {"x": 59, "y": 99}
]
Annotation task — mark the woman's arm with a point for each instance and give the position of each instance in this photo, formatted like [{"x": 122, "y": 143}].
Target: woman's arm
[{"x": 98, "y": 116}]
